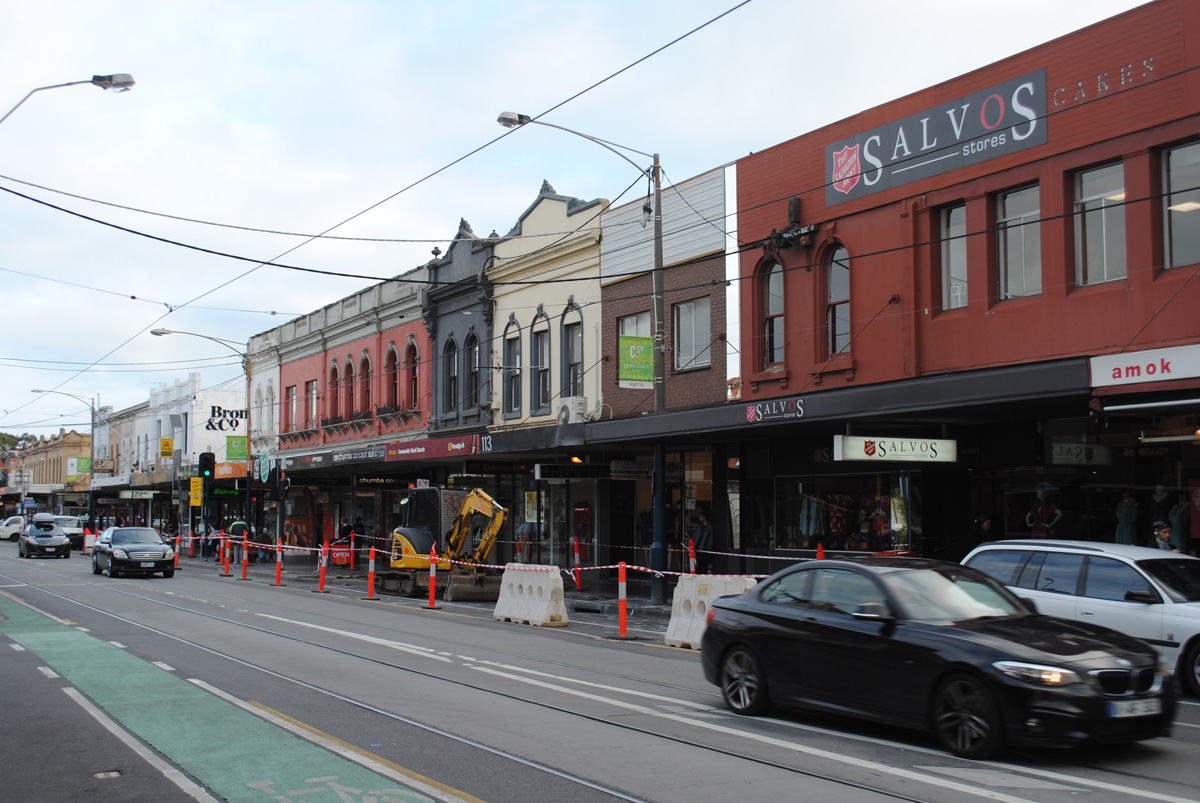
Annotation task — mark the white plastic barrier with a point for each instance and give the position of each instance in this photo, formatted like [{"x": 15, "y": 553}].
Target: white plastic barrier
[
  {"x": 531, "y": 595},
  {"x": 89, "y": 541},
  {"x": 694, "y": 594}
]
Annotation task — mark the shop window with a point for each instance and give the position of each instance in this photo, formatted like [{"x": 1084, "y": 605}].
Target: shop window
[
  {"x": 512, "y": 369},
  {"x": 472, "y": 356},
  {"x": 391, "y": 370},
  {"x": 539, "y": 365},
  {"x": 837, "y": 306},
  {"x": 364, "y": 385},
  {"x": 772, "y": 289},
  {"x": 854, "y": 512},
  {"x": 334, "y": 409},
  {"x": 572, "y": 351},
  {"x": 314, "y": 398},
  {"x": 348, "y": 385},
  {"x": 1100, "y": 225},
  {"x": 289, "y": 409},
  {"x": 692, "y": 333},
  {"x": 1020, "y": 243},
  {"x": 450, "y": 363},
  {"x": 954, "y": 257},
  {"x": 413, "y": 361},
  {"x": 1182, "y": 199}
]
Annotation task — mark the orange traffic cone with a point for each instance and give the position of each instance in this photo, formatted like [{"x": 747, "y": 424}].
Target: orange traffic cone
[{"x": 820, "y": 552}]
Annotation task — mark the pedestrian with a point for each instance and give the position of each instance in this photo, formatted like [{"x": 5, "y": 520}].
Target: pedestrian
[
  {"x": 1162, "y": 536},
  {"x": 703, "y": 542},
  {"x": 981, "y": 529},
  {"x": 239, "y": 531}
]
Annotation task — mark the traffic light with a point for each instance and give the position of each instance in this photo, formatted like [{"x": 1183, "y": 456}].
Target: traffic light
[{"x": 208, "y": 464}]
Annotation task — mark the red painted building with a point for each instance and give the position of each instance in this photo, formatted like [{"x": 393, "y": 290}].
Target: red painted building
[{"x": 951, "y": 268}]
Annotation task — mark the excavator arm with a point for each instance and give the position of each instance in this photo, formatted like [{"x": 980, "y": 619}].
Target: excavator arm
[{"x": 479, "y": 521}]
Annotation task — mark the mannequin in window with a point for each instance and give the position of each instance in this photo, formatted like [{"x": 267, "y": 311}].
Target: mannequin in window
[
  {"x": 1180, "y": 518},
  {"x": 1127, "y": 511},
  {"x": 1044, "y": 514},
  {"x": 1160, "y": 503}
]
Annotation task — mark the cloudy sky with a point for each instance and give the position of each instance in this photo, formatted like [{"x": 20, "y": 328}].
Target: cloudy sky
[{"x": 313, "y": 116}]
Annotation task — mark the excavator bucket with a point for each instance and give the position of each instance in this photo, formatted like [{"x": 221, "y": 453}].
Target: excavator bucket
[{"x": 468, "y": 587}]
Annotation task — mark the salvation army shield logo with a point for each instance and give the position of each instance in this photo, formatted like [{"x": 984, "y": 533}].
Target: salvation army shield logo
[
  {"x": 869, "y": 448},
  {"x": 752, "y": 413},
  {"x": 846, "y": 169}
]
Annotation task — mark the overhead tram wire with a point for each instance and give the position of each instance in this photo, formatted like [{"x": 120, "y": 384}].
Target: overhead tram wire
[{"x": 373, "y": 206}]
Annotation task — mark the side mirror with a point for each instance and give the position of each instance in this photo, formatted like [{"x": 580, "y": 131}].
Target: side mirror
[
  {"x": 1030, "y": 604},
  {"x": 1141, "y": 595},
  {"x": 873, "y": 611}
]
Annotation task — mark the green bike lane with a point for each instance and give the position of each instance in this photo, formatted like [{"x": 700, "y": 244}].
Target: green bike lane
[{"x": 233, "y": 753}]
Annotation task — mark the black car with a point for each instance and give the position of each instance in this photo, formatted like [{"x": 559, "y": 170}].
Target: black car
[
  {"x": 132, "y": 550},
  {"x": 933, "y": 646},
  {"x": 43, "y": 538}
]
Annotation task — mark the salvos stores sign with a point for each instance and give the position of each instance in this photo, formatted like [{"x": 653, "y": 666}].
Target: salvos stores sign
[{"x": 993, "y": 122}]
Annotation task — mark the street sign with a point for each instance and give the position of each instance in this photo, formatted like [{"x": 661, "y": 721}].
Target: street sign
[
  {"x": 166, "y": 447},
  {"x": 196, "y": 491}
]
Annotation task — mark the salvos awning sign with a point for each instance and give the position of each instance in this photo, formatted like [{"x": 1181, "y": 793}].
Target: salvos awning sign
[
  {"x": 993, "y": 122},
  {"x": 890, "y": 450}
]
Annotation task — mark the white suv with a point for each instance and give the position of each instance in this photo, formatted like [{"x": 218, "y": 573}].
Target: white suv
[{"x": 1151, "y": 594}]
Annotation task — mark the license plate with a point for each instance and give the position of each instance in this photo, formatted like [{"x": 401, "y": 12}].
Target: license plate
[
  {"x": 1134, "y": 708},
  {"x": 147, "y": 564}
]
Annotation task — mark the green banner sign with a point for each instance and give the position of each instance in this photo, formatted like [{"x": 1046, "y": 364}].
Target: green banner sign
[
  {"x": 635, "y": 363},
  {"x": 235, "y": 448}
]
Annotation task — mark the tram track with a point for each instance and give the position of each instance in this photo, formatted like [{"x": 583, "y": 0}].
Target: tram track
[{"x": 479, "y": 688}]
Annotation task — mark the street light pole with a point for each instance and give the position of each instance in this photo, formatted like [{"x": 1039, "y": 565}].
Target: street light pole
[
  {"x": 120, "y": 82},
  {"x": 658, "y": 550},
  {"x": 92, "y": 446},
  {"x": 249, "y": 407}
]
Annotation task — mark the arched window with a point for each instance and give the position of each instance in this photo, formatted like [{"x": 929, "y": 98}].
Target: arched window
[
  {"x": 772, "y": 300},
  {"x": 539, "y": 363},
  {"x": 572, "y": 351},
  {"x": 391, "y": 370},
  {"x": 450, "y": 364},
  {"x": 413, "y": 361},
  {"x": 364, "y": 385},
  {"x": 333, "y": 392},
  {"x": 348, "y": 385},
  {"x": 472, "y": 355},
  {"x": 837, "y": 310},
  {"x": 512, "y": 367}
]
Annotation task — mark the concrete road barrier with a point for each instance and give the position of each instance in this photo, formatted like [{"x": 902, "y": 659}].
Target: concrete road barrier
[
  {"x": 694, "y": 594},
  {"x": 531, "y": 595}
]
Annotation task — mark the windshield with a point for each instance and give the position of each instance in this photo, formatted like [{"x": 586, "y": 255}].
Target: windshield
[
  {"x": 932, "y": 595},
  {"x": 67, "y": 521},
  {"x": 1181, "y": 577},
  {"x": 142, "y": 535}
]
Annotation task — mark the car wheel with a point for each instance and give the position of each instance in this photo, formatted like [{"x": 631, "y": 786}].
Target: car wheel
[
  {"x": 95, "y": 565},
  {"x": 1190, "y": 669},
  {"x": 67, "y": 554},
  {"x": 743, "y": 683},
  {"x": 966, "y": 719},
  {"x": 169, "y": 573}
]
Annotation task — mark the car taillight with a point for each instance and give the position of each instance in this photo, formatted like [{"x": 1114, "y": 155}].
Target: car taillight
[{"x": 708, "y": 617}]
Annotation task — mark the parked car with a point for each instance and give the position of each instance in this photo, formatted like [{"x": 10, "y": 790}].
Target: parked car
[
  {"x": 933, "y": 646},
  {"x": 1148, "y": 593},
  {"x": 12, "y": 527},
  {"x": 74, "y": 530},
  {"x": 43, "y": 538},
  {"x": 132, "y": 550}
]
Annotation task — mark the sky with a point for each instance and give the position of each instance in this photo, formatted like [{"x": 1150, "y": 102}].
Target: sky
[{"x": 375, "y": 120}]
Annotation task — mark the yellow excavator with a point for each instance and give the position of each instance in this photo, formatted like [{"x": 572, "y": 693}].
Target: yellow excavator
[{"x": 477, "y": 522}]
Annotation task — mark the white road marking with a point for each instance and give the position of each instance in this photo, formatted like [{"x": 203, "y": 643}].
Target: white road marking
[
  {"x": 414, "y": 649},
  {"x": 118, "y": 645},
  {"x": 162, "y": 665},
  {"x": 999, "y": 778},
  {"x": 170, "y": 773},
  {"x": 689, "y": 706},
  {"x": 47, "y": 671},
  {"x": 17, "y": 647}
]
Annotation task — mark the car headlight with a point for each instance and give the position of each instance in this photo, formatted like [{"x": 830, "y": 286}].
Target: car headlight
[
  {"x": 120, "y": 553},
  {"x": 1038, "y": 674},
  {"x": 170, "y": 553}
]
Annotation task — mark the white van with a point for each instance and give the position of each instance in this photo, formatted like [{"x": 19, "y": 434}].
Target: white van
[{"x": 12, "y": 528}]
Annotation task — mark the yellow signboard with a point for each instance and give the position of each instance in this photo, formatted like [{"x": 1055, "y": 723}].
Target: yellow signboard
[
  {"x": 197, "y": 491},
  {"x": 166, "y": 447}
]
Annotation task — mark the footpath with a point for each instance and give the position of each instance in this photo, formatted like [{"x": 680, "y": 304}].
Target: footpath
[{"x": 598, "y": 595}]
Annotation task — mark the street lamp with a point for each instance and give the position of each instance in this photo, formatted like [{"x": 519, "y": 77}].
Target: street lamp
[
  {"x": 249, "y": 406},
  {"x": 119, "y": 82},
  {"x": 92, "y": 445},
  {"x": 658, "y": 551}
]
